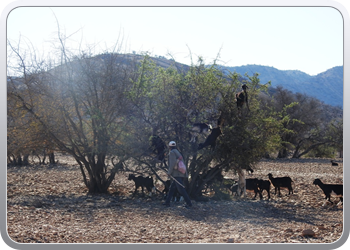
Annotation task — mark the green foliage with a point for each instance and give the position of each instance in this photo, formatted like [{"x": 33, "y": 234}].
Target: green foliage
[
  {"x": 168, "y": 102},
  {"x": 305, "y": 123}
]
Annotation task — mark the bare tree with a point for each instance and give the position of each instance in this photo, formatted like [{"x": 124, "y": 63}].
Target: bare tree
[{"x": 81, "y": 106}]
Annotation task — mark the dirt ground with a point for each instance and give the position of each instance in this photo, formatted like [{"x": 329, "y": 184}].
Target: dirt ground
[{"x": 50, "y": 204}]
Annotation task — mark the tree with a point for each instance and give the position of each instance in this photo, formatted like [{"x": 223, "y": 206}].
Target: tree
[
  {"x": 306, "y": 121},
  {"x": 167, "y": 102},
  {"x": 80, "y": 106},
  {"x": 25, "y": 134}
]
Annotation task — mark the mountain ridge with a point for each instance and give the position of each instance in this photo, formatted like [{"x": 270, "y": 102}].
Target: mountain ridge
[{"x": 326, "y": 86}]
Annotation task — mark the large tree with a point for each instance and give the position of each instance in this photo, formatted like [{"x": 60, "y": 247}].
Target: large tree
[
  {"x": 168, "y": 101},
  {"x": 80, "y": 106}
]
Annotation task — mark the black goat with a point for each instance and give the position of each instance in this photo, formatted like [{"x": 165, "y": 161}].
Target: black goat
[
  {"x": 279, "y": 182},
  {"x": 231, "y": 185},
  {"x": 328, "y": 189},
  {"x": 143, "y": 182},
  {"x": 211, "y": 139},
  {"x": 264, "y": 185},
  {"x": 256, "y": 185},
  {"x": 252, "y": 185},
  {"x": 176, "y": 196},
  {"x": 242, "y": 98},
  {"x": 158, "y": 147},
  {"x": 233, "y": 188},
  {"x": 334, "y": 163},
  {"x": 198, "y": 128}
]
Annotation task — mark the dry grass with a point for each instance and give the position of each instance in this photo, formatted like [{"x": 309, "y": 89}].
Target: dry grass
[{"x": 50, "y": 205}]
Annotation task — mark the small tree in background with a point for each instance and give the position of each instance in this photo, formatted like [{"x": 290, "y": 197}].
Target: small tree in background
[{"x": 307, "y": 126}]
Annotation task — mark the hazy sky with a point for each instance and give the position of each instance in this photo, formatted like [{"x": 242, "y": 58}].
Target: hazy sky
[{"x": 309, "y": 39}]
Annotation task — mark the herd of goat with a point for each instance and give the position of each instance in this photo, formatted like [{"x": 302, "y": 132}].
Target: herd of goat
[
  {"x": 243, "y": 184},
  {"x": 238, "y": 188}
]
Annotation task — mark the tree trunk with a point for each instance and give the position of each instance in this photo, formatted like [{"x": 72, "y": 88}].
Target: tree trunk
[
  {"x": 52, "y": 158},
  {"x": 310, "y": 148},
  {"x": 95, "y": 173},
  {"x": 18, "y": 160},
  {"x": 283, "y": 153}
]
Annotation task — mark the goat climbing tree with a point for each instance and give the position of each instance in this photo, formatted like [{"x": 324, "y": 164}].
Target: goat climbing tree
[{"x": 170, "y": 100}]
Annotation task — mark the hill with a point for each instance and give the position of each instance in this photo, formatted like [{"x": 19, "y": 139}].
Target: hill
[{"x": 326, "y": 86}]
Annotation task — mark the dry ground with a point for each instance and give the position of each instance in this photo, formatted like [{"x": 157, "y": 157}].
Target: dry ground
[{"x": 50, "y": 204}]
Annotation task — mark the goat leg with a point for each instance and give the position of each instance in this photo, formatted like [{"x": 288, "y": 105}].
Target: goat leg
[{"x": 135, "y": 189}]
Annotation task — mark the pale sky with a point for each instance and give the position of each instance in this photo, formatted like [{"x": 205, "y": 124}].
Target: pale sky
[{"x": 309, "y": 39}]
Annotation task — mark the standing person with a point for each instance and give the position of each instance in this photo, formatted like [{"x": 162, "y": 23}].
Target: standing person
[{"x": 177, "y": 176}]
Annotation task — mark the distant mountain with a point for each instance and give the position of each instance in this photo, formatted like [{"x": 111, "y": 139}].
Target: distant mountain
[{"x": 326, "y": 86}]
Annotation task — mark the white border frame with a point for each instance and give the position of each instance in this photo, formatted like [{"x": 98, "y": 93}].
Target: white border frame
[{"x": 186, "y": 3}]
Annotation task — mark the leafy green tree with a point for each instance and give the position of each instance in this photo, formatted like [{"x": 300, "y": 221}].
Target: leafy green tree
[
  {"x": 167, "y": 102},
  {"x": 305, "y": 122}
]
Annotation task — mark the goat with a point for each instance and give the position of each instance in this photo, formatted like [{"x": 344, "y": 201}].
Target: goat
[
  {"x": 334, "y": 163},
  {"x": 234, "y": 189},
  {"x": 198, "y": 128},
  {"x": 176, "y": 196},
  {"x": 281, "y": 182},
  {"x": 159, "y": 147},
  {"x": 211, "y": 139},
  {"x": 256, "y": 185},
  {"x": 143, "y": 182},
  {"x": 231, "y": 185},
  {"x": 328, "y": 189},
  {"x": 251, "y": 185},
  {"x": 242, "y": 98},
  {"x": 264, "y": 185}
]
